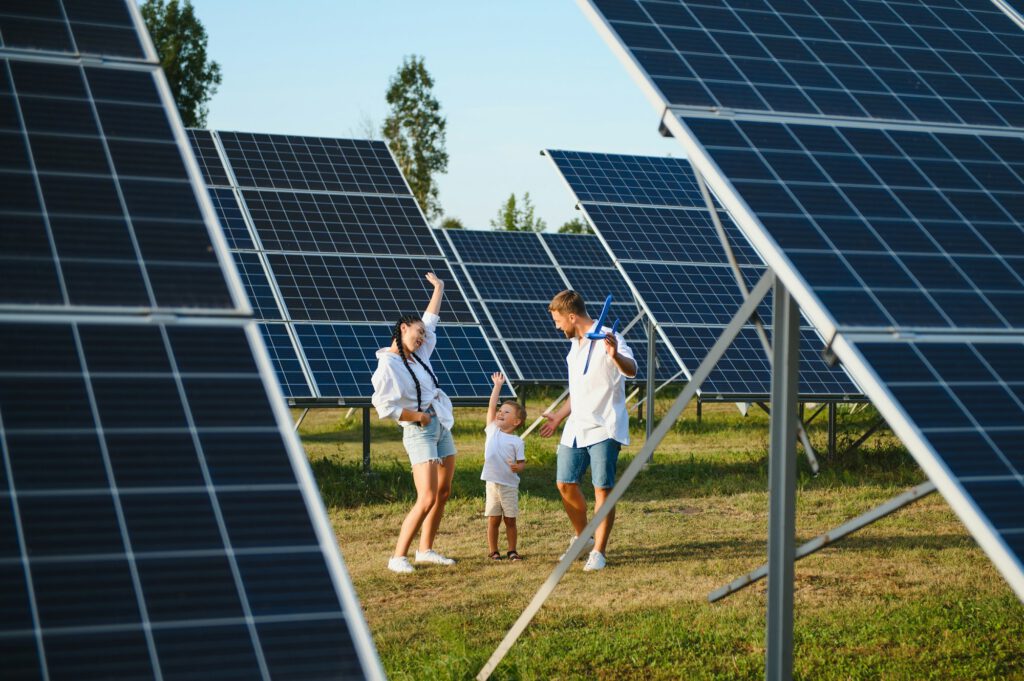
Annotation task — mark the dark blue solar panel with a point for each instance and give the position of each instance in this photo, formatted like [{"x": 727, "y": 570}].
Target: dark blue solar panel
[
  {"x": 954, "y": 63},
  {"x": 744, "y": 369},
  {"x": 499, "y": 248},
  {"x": 577, "y": 250},
  {"x": 339, "y": 223},
  {"x": 361, "y": 289},
  {"x": 257, "y": 286},
  {"x": 689, "y": 294},
  {"x": 642, "y": 180},
  {"x": 97, "y": 28},
  {"x": 285, "y": 360},
  {"x": 596, "y": 284},
  {"x": 230, "y": 214},
  {"x": 889, "y": 228},
  {"x": 518, "y": 283},
  {"x": 523, "y": 320},
  {"x": 342, "y": 358},
  {"x": 208, "y": 158},
  {"x": 97, "y": 206},
  {"x": 668, "y": 235},
  {"x": 541, "y": 361},
  {"x": 312, "y": 163}
]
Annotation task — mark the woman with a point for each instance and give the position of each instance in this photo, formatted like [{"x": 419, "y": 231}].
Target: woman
[{"x": 405, "y": 388}]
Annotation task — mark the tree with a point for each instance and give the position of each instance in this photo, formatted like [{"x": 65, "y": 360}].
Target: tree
[
  {"x": 180, "y": 41},
  {"x": 518, "y": 216},
  {"x": 415, "y": 131},
  {"x": 452, "y": 223},
  {"x": 575, "y": 226}
]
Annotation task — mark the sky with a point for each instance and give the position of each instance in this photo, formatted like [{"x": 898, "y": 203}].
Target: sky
[{"x": 512, "y": 79}]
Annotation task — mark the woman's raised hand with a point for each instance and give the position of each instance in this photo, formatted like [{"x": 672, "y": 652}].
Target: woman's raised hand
[{"x": 433, "y": 279}]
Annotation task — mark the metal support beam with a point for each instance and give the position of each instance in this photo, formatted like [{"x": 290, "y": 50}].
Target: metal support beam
[
  {"x": 829, "y": 538},
  {"x": 639, "y": 461},
  {"x": 782, "y": 485},
  {"x": 863, "y": 438},
  {"x": 817, "y": 411},
  {"x": 699, "y": 403},
  {"x": 831, "y": 430},
  {"x": 652, "y": 359},
  {"x": 302, "y": 417},
  {"x": 366, "y": 439}
]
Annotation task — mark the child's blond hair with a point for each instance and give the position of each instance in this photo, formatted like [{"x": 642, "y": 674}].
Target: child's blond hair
[{"x": 520, "y": 410}]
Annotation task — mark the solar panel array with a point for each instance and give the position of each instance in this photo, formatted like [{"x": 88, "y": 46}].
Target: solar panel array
[
  {"x": 158, "y": 518},
  {"x": 333, "y": 248},
  {"x": 653, "y": 217},
  {"x": 874, "y": 152},
  {"x": 514, "y": 275}
]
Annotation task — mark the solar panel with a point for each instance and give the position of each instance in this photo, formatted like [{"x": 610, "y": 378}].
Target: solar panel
[
  {"x": 208, "y": 158},
  {"x": 953, "y": 63},
  {"x": 595, "y": 285},
  {"x": 499, "y": 248},
  {"x": 516, "y": 282},
  {"x": 70, "y": 161},
  {"x": 312, "y": 164},
  {"x": 632, "y": 180},
  {"x": 155, "y": 507},
  {"x": 901, "y": 242},
  {"x": 326, "y": 230},
  {"x": 577, "y": 250}
]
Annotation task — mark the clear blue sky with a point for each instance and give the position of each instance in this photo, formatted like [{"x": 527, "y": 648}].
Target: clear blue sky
[{"x": 512, "y": 79}]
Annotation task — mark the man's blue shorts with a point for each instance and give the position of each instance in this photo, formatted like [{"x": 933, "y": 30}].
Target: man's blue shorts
[{"x": 602, "y": 457}]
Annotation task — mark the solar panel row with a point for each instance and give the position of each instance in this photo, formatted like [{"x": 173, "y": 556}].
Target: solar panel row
[{"x": 326, "y": 231}]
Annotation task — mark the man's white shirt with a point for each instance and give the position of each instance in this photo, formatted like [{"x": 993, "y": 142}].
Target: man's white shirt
[{"x": 597, "y": 398}]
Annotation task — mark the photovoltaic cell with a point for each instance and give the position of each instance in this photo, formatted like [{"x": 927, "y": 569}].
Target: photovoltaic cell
[
  {"x": 595, "y": 285},
  {"x": 205, "y": 150},
  {"x": 520, "y": 283},
  {"x": 97, "y": 212},
  {"x": 312, "y": 163},
  {"x": 668, "y": 234},
  {"x": 955, "y": 63},
  {"x": 285, "y": 359},
  {"x": 339, "y": 223},
  {"x": 689, "y": 294},
  {"x": 630, "y": 180},
  {"x": 499, "y": 248},
  {"x": 231, "y": 220},
  {"x": 577, "y": 250},
  {"x": 72, "y": 27},
  {"x": 360, "y": 289},
  {"x": 889, "y": 228}
]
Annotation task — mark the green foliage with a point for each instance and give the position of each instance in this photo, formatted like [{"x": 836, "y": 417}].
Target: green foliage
[
  {"x": 518, "y": 216},
  {"x": 180, "y": 41},
  {"x": 575, "y": 226},
  {"x": 415, "y": 131},
  {"x": 452, "y": 223}
]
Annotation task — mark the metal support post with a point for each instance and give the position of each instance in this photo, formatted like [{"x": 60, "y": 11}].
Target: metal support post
[
  {"x": 302, "y": 417},
  {"x": 782, "y": 485},
  {"x": 652, "y": 358},
  {"x": 699, "y": 403},
  {"x": 830, "y": 537},
  {"x": 831, "y": 430},
  {"x": 366, "y": 439},
  {"x": 639, "y": 461}
]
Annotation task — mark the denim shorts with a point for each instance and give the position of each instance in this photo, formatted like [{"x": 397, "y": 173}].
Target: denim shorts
[
  {"x": 432, "y": 442},
  {"x": 602, "y": 457}
]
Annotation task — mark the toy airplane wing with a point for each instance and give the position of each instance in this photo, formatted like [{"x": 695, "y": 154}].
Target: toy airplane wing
[{"x": 597, "y": 335}]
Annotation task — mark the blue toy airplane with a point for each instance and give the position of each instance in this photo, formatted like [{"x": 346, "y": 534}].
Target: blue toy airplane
[{"x": 598, "y": 335}]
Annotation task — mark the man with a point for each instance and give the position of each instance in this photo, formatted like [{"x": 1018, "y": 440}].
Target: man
[{"x": 598, "y": 423}]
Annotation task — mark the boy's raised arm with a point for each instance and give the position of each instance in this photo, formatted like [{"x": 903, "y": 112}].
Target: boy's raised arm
[{"x": 492, "y": 405}]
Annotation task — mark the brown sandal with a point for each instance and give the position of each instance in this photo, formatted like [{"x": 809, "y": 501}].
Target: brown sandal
[
  {"x": 495, "y": 555},
  {"x": 513, "y": 556}
]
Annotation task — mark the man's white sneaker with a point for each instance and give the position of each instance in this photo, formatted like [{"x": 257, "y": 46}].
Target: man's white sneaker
[
  {"x": 594, "y": 562},
  {"x": 590, "y": 542},
  {"x": 434, "y": 557},
  {"x": 400, "y": 564}
]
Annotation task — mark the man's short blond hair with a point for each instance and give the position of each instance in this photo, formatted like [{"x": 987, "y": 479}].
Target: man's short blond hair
[{"x": 568, "y": 302}]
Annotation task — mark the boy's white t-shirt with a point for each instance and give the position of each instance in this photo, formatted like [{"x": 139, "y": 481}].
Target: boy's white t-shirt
[{"x": 500, "y": 450}]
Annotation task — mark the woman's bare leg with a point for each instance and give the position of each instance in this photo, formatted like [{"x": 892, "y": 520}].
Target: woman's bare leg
[
  {"x": 445, "y": 472},
  {"x": 424, "y": 476}
]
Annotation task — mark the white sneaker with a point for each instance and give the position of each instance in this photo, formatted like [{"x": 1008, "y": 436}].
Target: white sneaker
[
  {"x": 400, "y": 564},
  {"x": 434, "y": 557},
  {"x": 590, "y": 542},
  {"x": 594, "y": 562}
]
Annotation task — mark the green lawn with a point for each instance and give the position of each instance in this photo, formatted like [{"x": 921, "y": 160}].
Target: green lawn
[{"x": 909, "y": 597}]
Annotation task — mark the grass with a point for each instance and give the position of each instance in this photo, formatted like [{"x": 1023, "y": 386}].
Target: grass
[{"x": 909, "y": 597}]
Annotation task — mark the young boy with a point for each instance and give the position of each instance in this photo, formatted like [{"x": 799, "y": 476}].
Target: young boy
[{"x": 504, "y": 459}]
